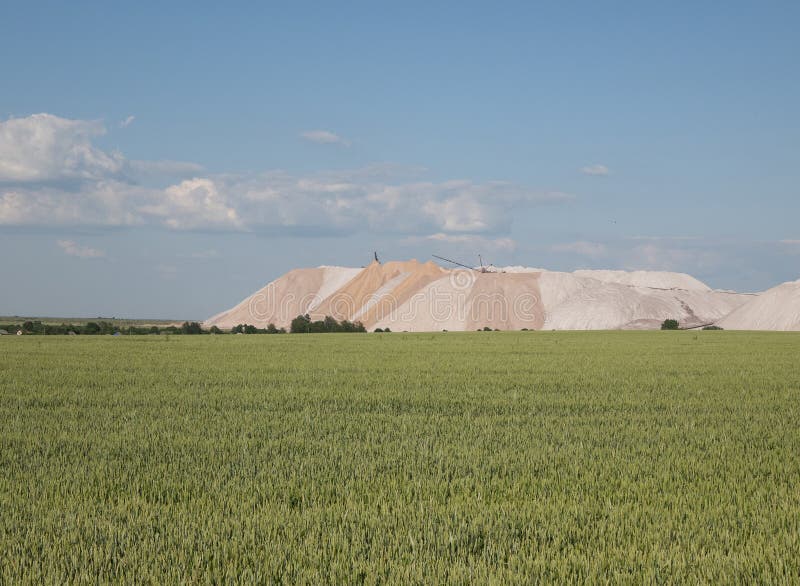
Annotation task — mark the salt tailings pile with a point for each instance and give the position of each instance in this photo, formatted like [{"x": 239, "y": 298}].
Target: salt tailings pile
[
  {"x": 414, "y": 296},
  {"x": 775, "y": 309}
]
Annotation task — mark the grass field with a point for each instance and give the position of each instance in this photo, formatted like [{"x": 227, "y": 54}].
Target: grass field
[{"x": 413, "y": 458}]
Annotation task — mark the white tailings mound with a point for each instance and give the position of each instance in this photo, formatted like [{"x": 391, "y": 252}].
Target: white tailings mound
[
  {"x": 654, "y": 279},
  {"x": 414, "y": 296},
  {"x": 577, "y": 302},
  {"x": 775, "y": 309}
]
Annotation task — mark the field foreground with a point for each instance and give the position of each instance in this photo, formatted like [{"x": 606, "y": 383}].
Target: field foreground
[{"x": 417, "y": 458}]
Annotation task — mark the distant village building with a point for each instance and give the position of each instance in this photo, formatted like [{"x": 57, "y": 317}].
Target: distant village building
[{"x": 3, "y": 333}]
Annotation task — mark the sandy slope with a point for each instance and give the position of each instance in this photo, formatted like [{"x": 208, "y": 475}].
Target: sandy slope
[
  {"x": 414, "y": 296},
  {"x": 775, "y": 309},
  {"x": 466, "y": 300},
  {"x": 297, "y": 292}
]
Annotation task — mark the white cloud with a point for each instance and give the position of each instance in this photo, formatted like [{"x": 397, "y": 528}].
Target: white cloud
[
  {"x": 46, "y": 148},
  {"x": 596, "y": 169},
  {"x": 98, "y": 203},
  {"x": 127, "y": 122},
  {"x": 194, "y": 203},
  {"x": 324, "y": 137},
  {"x": 65, "y": 180},
  {"x": 72, "y": 248},
  {"x": 790, "y": 241},
  {"x": 582, "y": 248}
]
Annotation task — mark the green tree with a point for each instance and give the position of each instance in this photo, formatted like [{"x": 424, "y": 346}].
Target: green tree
[
  {"x": 91, "y": 328},
  {"x": 191, "y": 328},
  {"x": 300, "y": 324}
]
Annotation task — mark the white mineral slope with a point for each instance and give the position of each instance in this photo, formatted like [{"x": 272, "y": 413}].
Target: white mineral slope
[
  {"x": 775, "y": 309},
  {"x": 333, "y": 279},
  {"x": 297, "y": 292},
  {"x": 573, "y": 302},
  {"x": 653, "y": 279}
]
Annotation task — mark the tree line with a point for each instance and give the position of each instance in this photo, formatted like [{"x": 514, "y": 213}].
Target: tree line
[{"x": 302, "y": 324}]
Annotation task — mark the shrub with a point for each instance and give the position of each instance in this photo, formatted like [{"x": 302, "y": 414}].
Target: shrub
[
  {"x": 712, "y": 328},
  {"x": 670, "y": 324}
]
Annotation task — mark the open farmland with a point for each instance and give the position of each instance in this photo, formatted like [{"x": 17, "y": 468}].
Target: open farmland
[{"x": 415, "y": 458}]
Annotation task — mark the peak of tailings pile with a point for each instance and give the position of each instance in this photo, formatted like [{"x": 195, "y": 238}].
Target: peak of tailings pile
[
  {"x": 775, "y": 309},
  {"x": 378, "y": 291},
  {"x": 414, "y": 296}
]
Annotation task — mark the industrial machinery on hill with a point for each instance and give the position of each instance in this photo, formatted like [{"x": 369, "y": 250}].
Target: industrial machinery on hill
[{"x": 483, "y": 269}]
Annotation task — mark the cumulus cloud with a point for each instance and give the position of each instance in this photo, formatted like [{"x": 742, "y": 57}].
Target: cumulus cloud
[
  {"x": 72, "y": 248},
  {"x": 63, "y": 179},
  {"x": 127, "y": 122},
  {"x": 194, "y": 203},
  {"x": 45, "y": 148},
  {"x": 324, "y": 137},
  {"x": 582, "y": 248},
  {"x": 596, "y": 169}
]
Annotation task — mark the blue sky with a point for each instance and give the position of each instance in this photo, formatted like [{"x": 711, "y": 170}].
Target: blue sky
[{"x": 166, "y": 161}]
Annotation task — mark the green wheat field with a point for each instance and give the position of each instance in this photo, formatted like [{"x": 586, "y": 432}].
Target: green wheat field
[{"x": 504, "y": 457}]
